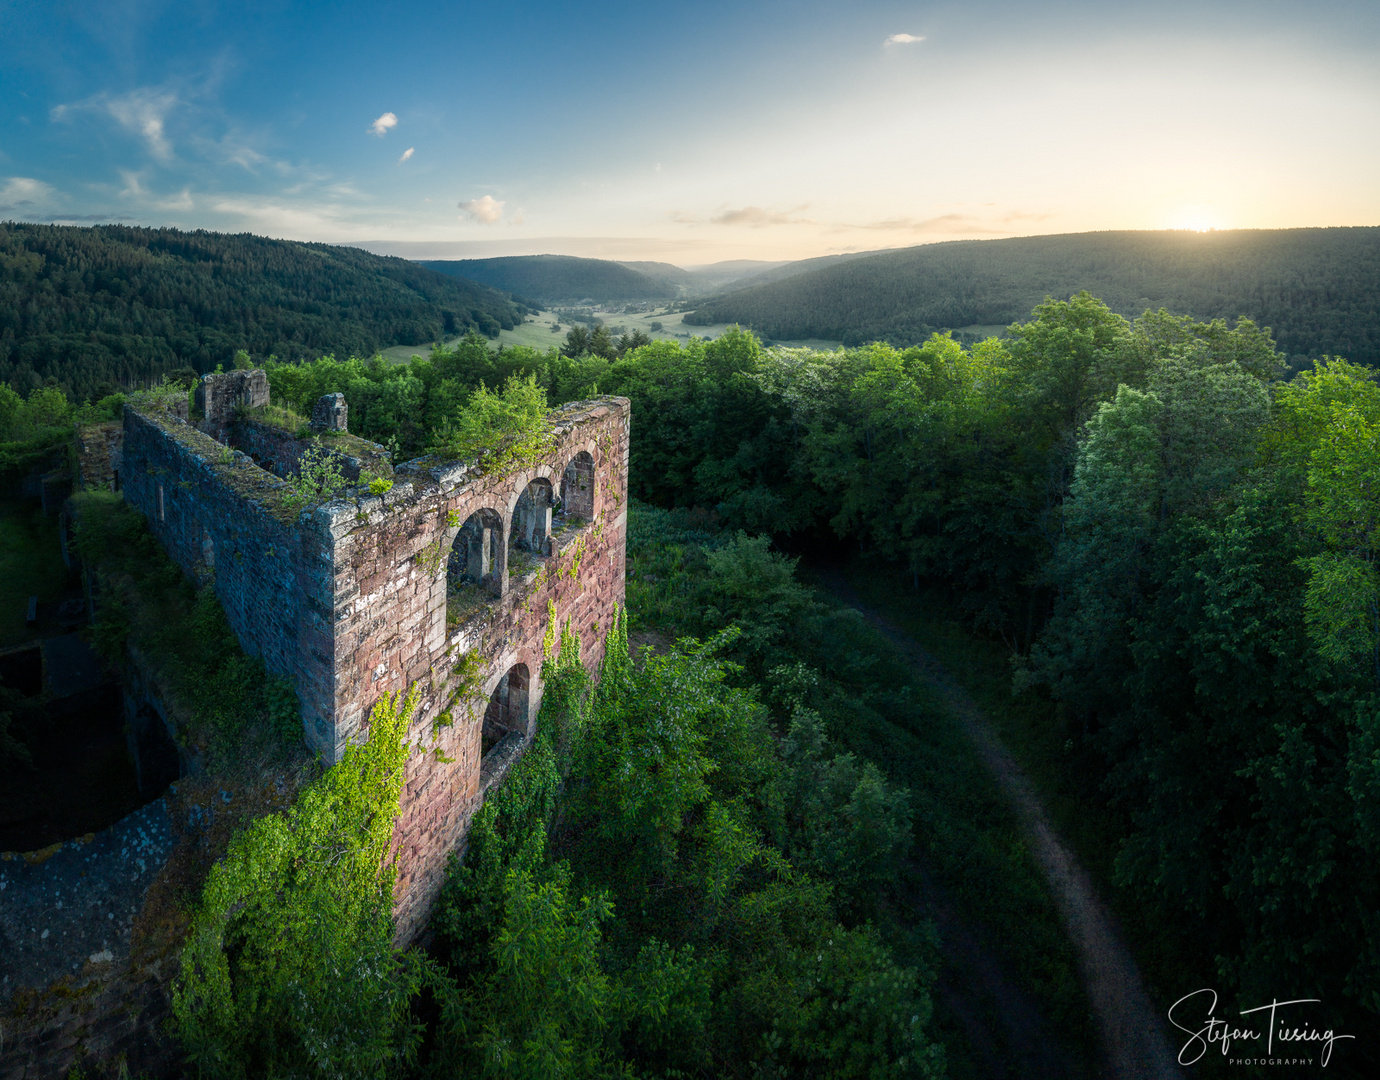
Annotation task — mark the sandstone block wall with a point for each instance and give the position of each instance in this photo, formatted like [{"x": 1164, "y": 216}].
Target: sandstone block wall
[
  {"x": 220, "y": 397},
  {"x": 349, "y": 599}
]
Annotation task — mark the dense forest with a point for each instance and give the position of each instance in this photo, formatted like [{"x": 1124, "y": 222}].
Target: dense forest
[
  {"x": 109, "y": 308},
  {"x": 556, "y": 278},
  {"x": 1315, "y": 288},
  {"x": 1177, "y": 547}
]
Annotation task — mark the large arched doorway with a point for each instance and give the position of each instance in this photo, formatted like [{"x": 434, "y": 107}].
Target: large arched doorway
[
  {"x": 506, "y": 717},
  {"x": 474, "y": 572},
  {"x": 530, "y": 539}
]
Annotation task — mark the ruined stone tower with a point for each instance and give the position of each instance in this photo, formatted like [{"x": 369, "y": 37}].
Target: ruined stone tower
[{"x": 441, "y": 576}]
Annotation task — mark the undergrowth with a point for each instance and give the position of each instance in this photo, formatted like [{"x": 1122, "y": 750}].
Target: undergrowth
[
  {"x": 1041, "y": 737},
  {"x": 687, "y": 575},
  {"x": 228, "y": 707}
]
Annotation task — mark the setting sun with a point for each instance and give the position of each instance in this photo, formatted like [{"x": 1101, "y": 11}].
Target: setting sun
[{"x": 1199, "y": 217}]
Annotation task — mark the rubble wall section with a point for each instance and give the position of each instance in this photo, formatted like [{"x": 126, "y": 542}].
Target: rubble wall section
[{"x": 280, "y": 451}]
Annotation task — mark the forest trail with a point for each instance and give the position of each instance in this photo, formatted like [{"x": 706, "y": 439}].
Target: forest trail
[{"x": 1132, "y": 1030}]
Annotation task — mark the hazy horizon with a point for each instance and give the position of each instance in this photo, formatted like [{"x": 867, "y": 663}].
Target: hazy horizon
[{"x": 705, "y": 133}]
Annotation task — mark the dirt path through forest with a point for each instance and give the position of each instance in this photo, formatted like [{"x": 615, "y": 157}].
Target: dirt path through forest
[{"x": 1132, "y": 1030}]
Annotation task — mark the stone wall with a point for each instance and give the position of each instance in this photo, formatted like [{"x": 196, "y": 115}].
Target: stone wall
[
  {"x": 221, "y": 397},
  {"x": 349, "y": 599},
  {"x": 280, "y": 451},
  {"x": 227, "y": 522},
  {"x": 392, "y": 631}
]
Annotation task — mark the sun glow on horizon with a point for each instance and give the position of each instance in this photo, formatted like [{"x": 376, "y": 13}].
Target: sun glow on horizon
[{"x": 1197, "y": 217}]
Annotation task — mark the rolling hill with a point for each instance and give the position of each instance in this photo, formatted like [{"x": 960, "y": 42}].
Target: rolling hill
[
  {"x": 111, "y": 306},
  {"x": 1316, "y": 288},
  {"x": 555, "y": 279}
]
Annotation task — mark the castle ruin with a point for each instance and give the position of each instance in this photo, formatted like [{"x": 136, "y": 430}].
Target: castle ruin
[{"x": 435, "y": 573}]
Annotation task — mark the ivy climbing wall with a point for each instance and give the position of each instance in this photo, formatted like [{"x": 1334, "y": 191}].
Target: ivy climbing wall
[
  {"x": 349, "y": 600},
  {"x": 392, "y": 628}
]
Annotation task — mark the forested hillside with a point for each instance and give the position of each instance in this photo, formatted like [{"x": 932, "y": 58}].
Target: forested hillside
[
  {"x": 555, "y": 278},
  {"x": 1315, "y": 288},
  {"x": 1177, "y": 549},
  {"x": 110, "y": 307}
]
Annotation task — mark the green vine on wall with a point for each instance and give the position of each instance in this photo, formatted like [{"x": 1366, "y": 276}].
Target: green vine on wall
[
  {"x": 429, "y": 558},
  {"x": 292, "y": 940}
]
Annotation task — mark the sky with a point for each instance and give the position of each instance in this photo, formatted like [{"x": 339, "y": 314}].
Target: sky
[{"x": 688, "y": 133}]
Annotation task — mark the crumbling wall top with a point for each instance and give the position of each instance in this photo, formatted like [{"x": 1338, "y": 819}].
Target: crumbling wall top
[
  {"x": 219, "y": 396},
  {"x": 330, "y": 413}
]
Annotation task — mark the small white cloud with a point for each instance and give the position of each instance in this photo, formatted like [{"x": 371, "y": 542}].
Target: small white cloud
[
  {"x": 383, "y": 125},
  {"x": 518, "y": 218},
  {"x": 680, "y": 217},
  {"x": 904, "y": 39},
  {"x": 134, "y": 182},
  {"x": 486, "y": 210},
  {"x": 407, "y": 154}
]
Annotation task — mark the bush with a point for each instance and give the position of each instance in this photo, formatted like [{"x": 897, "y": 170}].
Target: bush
[{"x": 289, "y": 969}]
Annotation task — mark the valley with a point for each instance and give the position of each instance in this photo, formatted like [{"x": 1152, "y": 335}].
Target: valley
[{"x": 848, "y": 708}]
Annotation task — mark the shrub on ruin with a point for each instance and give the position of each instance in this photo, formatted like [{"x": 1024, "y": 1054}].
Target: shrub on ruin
[
  {"x": 496, "y": 429},
  {"x": 289, "y": 968}
]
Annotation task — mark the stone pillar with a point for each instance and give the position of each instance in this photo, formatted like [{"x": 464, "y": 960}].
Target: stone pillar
[
  {"x": 218, "y": 396},
  {"x": 480, "y": 564},
  {"x": 330, "y": 413}
]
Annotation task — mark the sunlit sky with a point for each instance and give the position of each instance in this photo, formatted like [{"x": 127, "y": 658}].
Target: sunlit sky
[{"x": 692, "y": 132}]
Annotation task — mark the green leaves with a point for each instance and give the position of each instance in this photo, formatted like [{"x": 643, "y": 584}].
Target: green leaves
[
  {"x": 289, "y": 968},
  {"x": 497, "y": 429},
  {"x": 1340, "y": 607}
]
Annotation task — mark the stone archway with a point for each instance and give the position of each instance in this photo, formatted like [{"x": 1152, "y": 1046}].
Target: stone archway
[{"x": 476, "y": 569}]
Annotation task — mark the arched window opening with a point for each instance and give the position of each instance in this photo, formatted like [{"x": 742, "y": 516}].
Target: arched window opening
[
  {"x": 505, "y": 720},
  {"x": 474, "y": 572},
  {"x": 531, "y": 533},
  {"x": 577, "y": 489}
]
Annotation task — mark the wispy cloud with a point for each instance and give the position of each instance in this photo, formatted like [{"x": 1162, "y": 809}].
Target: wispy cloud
[
  {"x": 19, "y": 191},
  {"x": 951, "y": 223},
  {"x": 680, "y": 217},
  {"x": 234, "y": 149},
  {"x": 181, "y": 201},
  {"x": 143, "y": 112},
  {"x": 383, "y": 125},
  {"x": 904, "y": 39},
  {"x": 407, "y": 154},
  {"x": 758, "y": 217},
  {"x": 486, "y": 210},
  {"x": 134, "y": 183},
  {"x": 302, "y": 220},
  {"x": 27, "y": 199}
]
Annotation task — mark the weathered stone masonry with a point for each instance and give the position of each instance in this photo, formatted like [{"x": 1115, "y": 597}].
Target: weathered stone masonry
[{"x": 349, "y": 600}]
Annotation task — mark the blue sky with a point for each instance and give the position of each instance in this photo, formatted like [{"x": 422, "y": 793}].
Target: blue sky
[{"x": 689, "y": 133}]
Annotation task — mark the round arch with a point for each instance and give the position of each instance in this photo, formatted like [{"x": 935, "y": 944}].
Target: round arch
[{"x": 577, "y": 486}]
